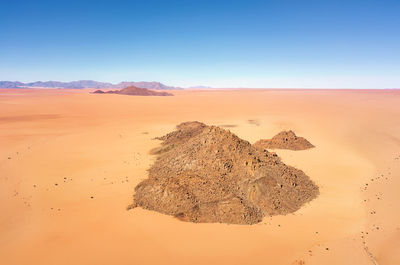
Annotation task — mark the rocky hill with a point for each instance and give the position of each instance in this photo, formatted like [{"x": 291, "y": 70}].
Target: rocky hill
[
  {"x": 134, "y": 91},
  {"x": 206, "y": 174},
  {"x": 285, "y": 140}
]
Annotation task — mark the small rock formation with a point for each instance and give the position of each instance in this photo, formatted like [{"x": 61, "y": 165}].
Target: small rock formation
[
  {"x": 134, "y": 91},
  {"x": 98, "y": 91},
  {"x": 285, "y": 140},
  {"x": 205, "y": 174}
]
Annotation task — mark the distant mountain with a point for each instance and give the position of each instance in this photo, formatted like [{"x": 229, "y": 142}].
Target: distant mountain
[
  {"x": 73, "y": 84},
  {"x": 134, "y": 91},
  {"x": 9, "y": 84},
  {"x": 84, "y": 84},
  {"x": 148, "y": 85}
]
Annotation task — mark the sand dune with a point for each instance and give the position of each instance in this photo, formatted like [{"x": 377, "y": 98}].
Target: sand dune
[{"x": 69, "y": 162}]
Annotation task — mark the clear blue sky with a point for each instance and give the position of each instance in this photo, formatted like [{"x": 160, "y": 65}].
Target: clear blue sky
[{"x": 277, "y": 43}]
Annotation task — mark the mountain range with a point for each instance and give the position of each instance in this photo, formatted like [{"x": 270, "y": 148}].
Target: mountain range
[{"x": 84, "y": 84}]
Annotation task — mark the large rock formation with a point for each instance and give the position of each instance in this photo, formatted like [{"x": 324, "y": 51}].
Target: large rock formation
[{"x": 207, "y": 174}]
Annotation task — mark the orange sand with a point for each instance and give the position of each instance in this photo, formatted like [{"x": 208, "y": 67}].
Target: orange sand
[{"x": 99, "y": 144}]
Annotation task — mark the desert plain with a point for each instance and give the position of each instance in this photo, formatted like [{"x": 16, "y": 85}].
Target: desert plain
[{"x": 70, "y": 160}]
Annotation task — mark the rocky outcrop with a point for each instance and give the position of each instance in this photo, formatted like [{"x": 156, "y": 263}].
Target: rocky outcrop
[
  {"x": 134, "y": 91},
  {"x": 206, "y": 174},
  {"x": 285, "y": 140}
]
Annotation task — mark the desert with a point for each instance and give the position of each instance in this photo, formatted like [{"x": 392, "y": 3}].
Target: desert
[
  {"x": 70, "y": 162},
  {"x": 200, "y": 132}
]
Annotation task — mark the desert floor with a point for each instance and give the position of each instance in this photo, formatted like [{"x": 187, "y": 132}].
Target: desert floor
[{"x": 69, "y": 162}]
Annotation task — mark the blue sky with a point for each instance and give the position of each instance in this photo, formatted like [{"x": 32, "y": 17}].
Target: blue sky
[{"x": 277, "y": 43}]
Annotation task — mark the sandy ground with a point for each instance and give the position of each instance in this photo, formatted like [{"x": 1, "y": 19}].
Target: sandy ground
[{"x": 69, "y": 162}]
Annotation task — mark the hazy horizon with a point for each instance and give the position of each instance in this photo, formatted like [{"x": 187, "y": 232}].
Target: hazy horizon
[{"x": 200, "y": 86}]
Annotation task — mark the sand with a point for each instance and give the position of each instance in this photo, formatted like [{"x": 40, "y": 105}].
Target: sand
[{"x": 95, "y": 149}]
